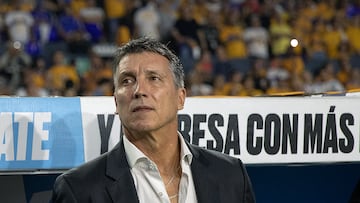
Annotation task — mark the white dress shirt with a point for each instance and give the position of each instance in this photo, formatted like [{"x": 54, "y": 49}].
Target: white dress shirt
[{"x": 148, "y": 182}]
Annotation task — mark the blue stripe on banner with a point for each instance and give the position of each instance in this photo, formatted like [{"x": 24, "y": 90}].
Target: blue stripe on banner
[{"x": 40, "y": 133}]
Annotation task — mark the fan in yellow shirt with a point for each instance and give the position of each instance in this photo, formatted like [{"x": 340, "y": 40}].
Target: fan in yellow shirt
[
  {"x": 231, "y": 35},
  {"x": 353, "y": 33},
  {"x": 61, "y": 73}
]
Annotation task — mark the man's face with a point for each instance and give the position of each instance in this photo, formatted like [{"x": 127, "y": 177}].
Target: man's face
[{"x": 146, "y": 96}]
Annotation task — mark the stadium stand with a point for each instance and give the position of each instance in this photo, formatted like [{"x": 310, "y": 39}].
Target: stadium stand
[{"x": 309, "y": 46}]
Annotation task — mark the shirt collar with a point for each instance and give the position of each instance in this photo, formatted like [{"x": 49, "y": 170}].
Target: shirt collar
[
  {"x": 185, "y": 153},
  {"x": 133, "y": 154}
]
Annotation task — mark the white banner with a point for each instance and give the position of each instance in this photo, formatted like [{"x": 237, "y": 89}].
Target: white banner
[
  {"x": 61, "y": 133},
  {"x": 257, "y": 130}
]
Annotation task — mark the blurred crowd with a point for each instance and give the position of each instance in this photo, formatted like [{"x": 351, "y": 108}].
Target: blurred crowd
[{"x": 227, "y": 47}]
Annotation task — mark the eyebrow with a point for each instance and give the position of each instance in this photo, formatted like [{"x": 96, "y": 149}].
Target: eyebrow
[
  {"x": 152, "y": 72},
  {"x": 126, "y": 73},
  {"x": 147, "y": 72}
]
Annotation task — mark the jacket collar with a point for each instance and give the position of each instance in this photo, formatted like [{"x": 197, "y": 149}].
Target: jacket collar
[
  {"x": 207, "y": 188},
  {"x": 122, "y": 187}
]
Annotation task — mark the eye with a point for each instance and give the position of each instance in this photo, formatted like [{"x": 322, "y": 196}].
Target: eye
[
  {"x": 127, "y": 81},
  {"x": 155, "y": 78}
]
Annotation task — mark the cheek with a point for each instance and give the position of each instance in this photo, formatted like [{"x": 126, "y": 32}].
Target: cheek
[
  {"x": 172, "y": 101},
  {"x": 120, "y": 99}
]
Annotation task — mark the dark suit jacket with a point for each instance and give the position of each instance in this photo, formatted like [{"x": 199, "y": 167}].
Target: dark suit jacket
[
  {"x": 218, "y": 178},
  {"x": 355, "y": 196}
]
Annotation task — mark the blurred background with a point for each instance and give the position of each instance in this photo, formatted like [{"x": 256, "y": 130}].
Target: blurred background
[{"x": 227, "y": 47}]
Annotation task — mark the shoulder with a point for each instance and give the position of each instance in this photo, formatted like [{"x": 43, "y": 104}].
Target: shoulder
[
  {"x": 226, "y": 171},
  {"x": 97, "y": 168},
  {"x": 85, "y": 173},
  {"x": 88, "y": 180},
  {"x": 215, "y": 158},
  {"x": 81, "y": 182}
]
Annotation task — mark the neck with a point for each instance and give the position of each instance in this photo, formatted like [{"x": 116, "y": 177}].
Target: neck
[{"x": 162, "y": 149}]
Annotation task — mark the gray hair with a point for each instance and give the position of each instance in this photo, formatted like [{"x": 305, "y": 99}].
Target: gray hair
[{"x": 145, "y": 44}]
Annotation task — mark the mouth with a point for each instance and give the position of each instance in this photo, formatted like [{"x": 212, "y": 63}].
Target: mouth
[{"x": 142, "y": 108}]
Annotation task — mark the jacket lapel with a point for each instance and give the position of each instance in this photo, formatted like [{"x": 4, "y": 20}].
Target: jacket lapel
[
  {"x": 122, "y": 187},
  {"x": 207, "y": 188}
]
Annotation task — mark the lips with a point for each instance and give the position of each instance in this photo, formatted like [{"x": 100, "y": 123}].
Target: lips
[{"x": 142, "y": 108}]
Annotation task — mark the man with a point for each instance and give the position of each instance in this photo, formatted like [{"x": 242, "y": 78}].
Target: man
[
  {"x": 355, "y": 195},
  {"x": 152, "y": 162}
]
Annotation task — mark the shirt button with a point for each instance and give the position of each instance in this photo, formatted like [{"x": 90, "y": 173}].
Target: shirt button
[{"x": 160, "y": 194}]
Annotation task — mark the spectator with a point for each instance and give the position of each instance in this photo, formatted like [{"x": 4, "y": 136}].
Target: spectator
[
  {"x": 249, "y": 89},
  {"x": 200, "y": 10},
  {"x": 353, "y": 9},
  {"x": 276, "y": 73},
  {"x": 204, "y": 66},
  {"x": 326, "y": 9},
  {"x": 293, "y": 62},
  {"x": 147, "y": 20},
  {"x": 234, "y": 86},
  {"x": 316, "y": 49},
  {"x": 308, "y": 79},
  {"x": 69, "y": 90},
  {"x": 257, "y": 39},
  {"x": 278, "y": 78},
  {"x": 297, "y": 84},
  {"x": 219, "y": 84},
  {"x": 345, "y": 71},
  {"x": 231, "y": 36},
  {"x": 280, "y": 33},
  {"x": 33, "y": 47},
  {"x": 12, "y": 64},
  {"x": 353, "y": 82},
  {"x": 104, "y": 87},
  {"x": 198, "y": 86},
  {"x": 188, "y": 37},
  {"x": 281, "y": 87},
  {"x": 353, "y": 33},
  {"x": 70, "y": 26},
  {"x": 97, "y": 71},
  {"x": 62, "y": 75},
  {"x": 258, "y": 73},
  {"x": 31, "y": 87},
  {"x": 19, "y": 24},
  {"x": 93, "y": 16},
  {"x": 115, "y": 11},
  {"x": 38, "y": 72},
  {"x": 329, "y": 81},
  {"x": 211, "y": 32},
  {"x": 325, "y": 81},
  {"x": 75, "y": 5},
  {"x": 167, "y": 15},
  {"x": 333, "y": 38},
  {"x": 221, "y": 62},
  {"x": 44, "y": 29}
]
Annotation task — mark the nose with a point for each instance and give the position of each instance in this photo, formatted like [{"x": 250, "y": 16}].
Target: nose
[{"x": 140, "y": 89}]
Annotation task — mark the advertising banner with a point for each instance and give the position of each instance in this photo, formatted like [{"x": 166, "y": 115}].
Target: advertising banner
[
  {"x": 60, "y": 133},
  {"x": 40, "y": 133}
]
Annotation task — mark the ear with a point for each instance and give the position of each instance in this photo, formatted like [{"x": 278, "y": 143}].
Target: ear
[{"x": 181, "y": 98}]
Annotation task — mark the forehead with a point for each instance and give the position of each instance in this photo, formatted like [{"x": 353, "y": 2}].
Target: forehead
[{"x": 144, "y": 60}]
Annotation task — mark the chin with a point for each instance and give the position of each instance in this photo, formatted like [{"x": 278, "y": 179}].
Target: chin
[{"x": 141, "y": 127}]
